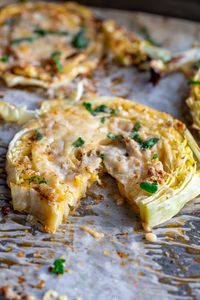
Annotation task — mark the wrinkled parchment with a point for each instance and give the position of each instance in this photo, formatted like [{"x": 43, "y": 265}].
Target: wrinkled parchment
[{"x": 121, "y": 265}]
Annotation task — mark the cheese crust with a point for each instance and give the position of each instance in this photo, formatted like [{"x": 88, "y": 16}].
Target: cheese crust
[
  {"x": 58, "y": 155},
  {"x": 47, "y": 44}
]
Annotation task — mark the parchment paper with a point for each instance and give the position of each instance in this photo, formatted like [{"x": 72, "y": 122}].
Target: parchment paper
[{"x": 122, "y": 265}]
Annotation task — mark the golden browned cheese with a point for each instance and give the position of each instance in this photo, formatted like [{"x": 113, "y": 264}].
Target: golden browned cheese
[
  {"x": 58, "y": 155},
  {"x": 125, "y": 47},
  {"x": 47, "y": 44}
]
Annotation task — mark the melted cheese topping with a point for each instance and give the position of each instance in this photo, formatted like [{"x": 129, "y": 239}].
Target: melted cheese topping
[{"x": 57, "y": 169}]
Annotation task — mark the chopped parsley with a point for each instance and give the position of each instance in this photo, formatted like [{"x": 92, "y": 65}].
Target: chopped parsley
[
  {"x": 149, "y": 187},
  {"x": 100, "y": 109},
  {"x": 37, "y": 179},
  {"x": 88, "y": 106},
  {"x": 149, "y": 143},
  {"x": 55, "y": 56},
  {"x": 155, "y": 156},
  {"x": 191, "y": 81},
  {"x": 103, "y": 119},
  {"x": 78, "y": 143},
  {"x": 59, "y": 266},
  {"x": 137, "y": 126},
  {"x": 29, "y": 39},
  {"x": 136, "y": 137},
  {"x": 113, "y": 137},
  {"x": 43, "y": 32},
  {"x": 102, "y": 156},
  {"x": 105, "y": 109},
  {"x": 38, "y": 135},
  {"x": 4, "y": 58},
  {"x": 149, "y": 38},
  {"x": 80, "y": 41}
]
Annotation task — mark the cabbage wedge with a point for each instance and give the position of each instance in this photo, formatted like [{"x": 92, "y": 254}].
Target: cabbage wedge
[
  {"x": 58, "y": 155},
  {"x": 194, "y": 100}
]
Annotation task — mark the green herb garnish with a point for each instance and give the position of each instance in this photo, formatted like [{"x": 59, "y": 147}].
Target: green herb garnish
[
  {"x": 137, "y": 126},
  {"x": 149, "y": 187},
  {"x": 43, "y": 32},
  {"x": 29, "y": 39},
  {"x": 37, "y": 179},
  {"x": 102, "y": 156},
  {"x": 78, "y": 143},
  {"x": 191, "y": 81},
  {"x": 103, "y": 119},
  {"x": 4, "y": 58},
  {"x": 136, "y": 137},
  {"x": 56, "y": 59},
  {"x": 80, "y": 41},
  {"x": 149, "y": 38},
  {"x": 38, "y": 135},
  {"x": 59, "y": 266},
  {"x": 149, "y": 143},
  {"x": 113, "y": 137},
  {"x": 155, "y": 156},
  {"x": 88, "y": 106},
  {"x": 100, "y": 109},
  {"x": 105, "y": 109}
]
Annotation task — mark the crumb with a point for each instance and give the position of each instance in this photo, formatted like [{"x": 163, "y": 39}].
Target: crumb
[
  {"x": 105, "y": 252},
  {"x": 151, "y": 237},
  {"x": 95, "y": 234},
  {"x": 20, "y": 254}
]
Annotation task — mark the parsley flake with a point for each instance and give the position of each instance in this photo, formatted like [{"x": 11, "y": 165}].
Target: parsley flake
[
  {"x": 103, "y": 119},
  {"x": 55, "y": 56},
  {"x": 59, "y": 266},
  {"x": 78, "y": 143},
  {"x": 113, "y": 137},
  {"x": 149, "y": 187},
  {"x": 29, "y": 39},
  {"x": 38, "y": 135},
  {"x": 137, "y": 126},
  {"x": 4, "y": 58},
  {"x": 191, "y": 81},
  {"x": 88, "y": 106},
  {"x": 80, "y": 41},
  {"x": 100, "y": 109},
  {"x": 136, "y": 137},
  {"x": 102, "y": 156},
  {"x": 43, "y": 32},
  {"x": 149, "y": 143},
  {"x": 155, "y": 156},
  {"x": 37, "y": 179}
]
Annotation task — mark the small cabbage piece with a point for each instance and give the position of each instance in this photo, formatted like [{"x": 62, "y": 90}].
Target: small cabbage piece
[
  {"x": 182, "y": 61},
  {"x": 12, "y": 113},
  {"x": 129, "y": 49},
  {"x": 49, "y": 176},
  {"x": 194, "y": 100}
]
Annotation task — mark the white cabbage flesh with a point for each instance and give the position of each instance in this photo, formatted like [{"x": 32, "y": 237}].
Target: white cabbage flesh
[{"x": 12, "y": 113}]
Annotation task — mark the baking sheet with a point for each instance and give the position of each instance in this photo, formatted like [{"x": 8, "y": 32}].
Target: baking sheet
[{"x": 122, "y": 265}]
